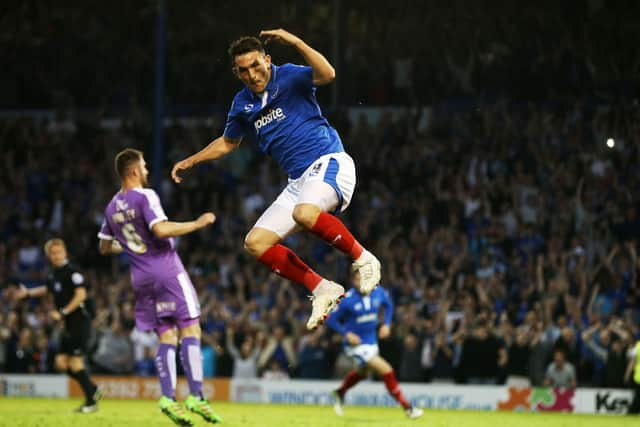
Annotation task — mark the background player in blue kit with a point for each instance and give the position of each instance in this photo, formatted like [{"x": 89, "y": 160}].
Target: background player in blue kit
[
  {"x": 278, "y": 108},
  {"x": 356, "y": 319}
]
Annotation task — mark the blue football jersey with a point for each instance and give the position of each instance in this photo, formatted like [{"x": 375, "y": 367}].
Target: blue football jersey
[
  {"x": 358, "y": 313},
  {"x": 285, "y": 120}
]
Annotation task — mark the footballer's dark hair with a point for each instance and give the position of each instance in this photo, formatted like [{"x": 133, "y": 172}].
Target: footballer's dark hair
[
  {"x": 125, "y": 159},
  {"x": 244, "y": 45}
]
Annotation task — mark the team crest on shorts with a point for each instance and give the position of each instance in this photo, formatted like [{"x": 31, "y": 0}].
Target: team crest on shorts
[
  {"x": 316, "y": 169},
  {"x": 165, "y": 306}
]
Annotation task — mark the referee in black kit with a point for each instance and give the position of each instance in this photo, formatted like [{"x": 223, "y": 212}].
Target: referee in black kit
[{"x": 69, "y": 291}]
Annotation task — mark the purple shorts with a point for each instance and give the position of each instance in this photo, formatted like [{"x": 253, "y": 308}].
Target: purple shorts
[{"x": 166, "y": 303}]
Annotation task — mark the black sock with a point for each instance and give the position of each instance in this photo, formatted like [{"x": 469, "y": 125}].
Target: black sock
[{"x": 88, "y": 387}]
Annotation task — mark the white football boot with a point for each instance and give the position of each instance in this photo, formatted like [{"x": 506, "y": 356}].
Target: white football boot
[
  {"x": 369, "y": 268},
  {"x": 337, "y": 403},
  {"x": 325, "y": 297},
  {"x": 413, "y": 412}
]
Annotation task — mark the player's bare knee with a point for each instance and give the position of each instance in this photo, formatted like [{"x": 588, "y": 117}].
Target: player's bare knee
[
  {"x": 253, "y": 244},
  {"x": 76, "y": 364},
  {"x": 384, "y": 370},
  {"x": 259, "y": 241},
  {"x": 305, "y": 215},
  {"x": 379, "y": 365},
  {"x": 61, "y": 364},
  {"x": 169, "y": 337},
  {"x": 191, "y": 331}
]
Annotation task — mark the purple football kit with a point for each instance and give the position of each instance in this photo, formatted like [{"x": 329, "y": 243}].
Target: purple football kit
[{"x": 165, "y": 296}]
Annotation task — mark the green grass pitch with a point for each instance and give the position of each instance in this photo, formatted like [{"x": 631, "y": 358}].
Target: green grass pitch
[{"x": 23, "y": 412}]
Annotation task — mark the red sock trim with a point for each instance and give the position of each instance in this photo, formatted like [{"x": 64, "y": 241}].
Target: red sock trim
[
  {"x": 330, "y": 229},
  {"x": 349, "y": 381},
  {"x": 282, "y": 261},
  {"x": 393, "y": 387}
]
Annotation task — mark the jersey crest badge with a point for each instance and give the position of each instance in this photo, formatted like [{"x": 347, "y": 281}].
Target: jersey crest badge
[
  {"x": 275, "y": 92},
  {"x": 316, "y": 169}
]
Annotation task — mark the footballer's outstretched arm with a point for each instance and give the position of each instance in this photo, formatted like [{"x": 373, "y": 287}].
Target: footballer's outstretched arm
[
  {"x": 165, "y": 229},
  {"x": 23, "y": 292},
  {"x": 323, "y": 71},
  {"x": 217, "y": 148}
]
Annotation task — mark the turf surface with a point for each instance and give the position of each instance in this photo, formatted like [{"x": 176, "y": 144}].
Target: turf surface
[{"x": 19, "y": 412}]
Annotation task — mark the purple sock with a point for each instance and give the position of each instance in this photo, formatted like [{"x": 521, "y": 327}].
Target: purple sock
[
  {"x": 191, "y": 358},
  {"x": 166, "y": 366}
]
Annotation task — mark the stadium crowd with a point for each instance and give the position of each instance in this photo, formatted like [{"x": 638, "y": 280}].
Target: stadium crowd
[
  {"x": 401, "y": 52},
  {"x": 508, "y": 234},
  {"x": 508, "y": 230}
]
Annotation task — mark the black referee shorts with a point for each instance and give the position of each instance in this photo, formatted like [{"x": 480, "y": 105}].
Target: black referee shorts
[{"x": 75, "y": 338}]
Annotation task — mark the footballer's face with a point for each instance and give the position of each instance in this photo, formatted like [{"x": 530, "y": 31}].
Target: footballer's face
[
  {"x": 253, "y": 69},
  {"x": 143, "y": 172},
  {"x": 57, "y": 255}
]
